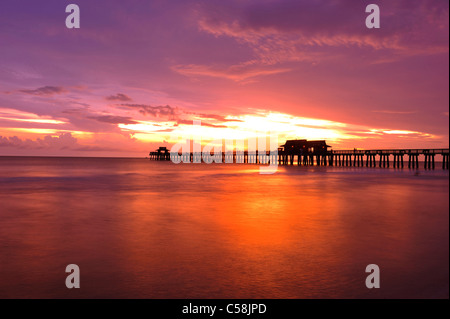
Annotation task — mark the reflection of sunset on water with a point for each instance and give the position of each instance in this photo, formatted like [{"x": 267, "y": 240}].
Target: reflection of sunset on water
[{"x": 160, "y": 230}]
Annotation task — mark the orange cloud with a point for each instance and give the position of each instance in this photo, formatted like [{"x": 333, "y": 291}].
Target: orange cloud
[{"x": 236, "y": 73}]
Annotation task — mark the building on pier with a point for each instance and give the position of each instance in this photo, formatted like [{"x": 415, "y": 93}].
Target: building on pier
[
  {"x": 305, "y": 147},
  {"x": 161, "y": 154}
]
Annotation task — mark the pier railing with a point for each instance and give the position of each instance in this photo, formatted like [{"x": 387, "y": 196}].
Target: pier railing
[
  {"x": 354, "y": 158},
  {"x": 435, "y": 151}
]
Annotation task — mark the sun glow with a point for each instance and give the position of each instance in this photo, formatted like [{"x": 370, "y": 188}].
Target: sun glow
[
  {"x": 208, "y": 128},
  {"x": 238, "y": 128}
]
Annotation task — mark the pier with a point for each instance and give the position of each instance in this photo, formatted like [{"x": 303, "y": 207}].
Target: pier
[{"x": 309, "y": 153}]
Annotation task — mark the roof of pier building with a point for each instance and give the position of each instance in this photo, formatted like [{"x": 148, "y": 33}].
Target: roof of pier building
[{"x": 305, "y": 146}]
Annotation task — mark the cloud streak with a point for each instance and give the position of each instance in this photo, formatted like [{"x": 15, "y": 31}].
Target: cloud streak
[
  {"x": 45, "y": 91},
  {"x": 236, "y": 73},
  {"x": 156, "y": 111},
  {"x": 301, "y": 30},
  {"x": 119, "y": 97},
  {"x": 113, "y": 119}
]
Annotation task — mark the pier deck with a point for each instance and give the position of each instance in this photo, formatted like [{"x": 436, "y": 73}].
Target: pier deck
[{"x": 354, "y": 158}]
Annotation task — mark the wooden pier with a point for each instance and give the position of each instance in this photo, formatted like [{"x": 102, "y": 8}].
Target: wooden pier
[{"x": 308, "y": 153}]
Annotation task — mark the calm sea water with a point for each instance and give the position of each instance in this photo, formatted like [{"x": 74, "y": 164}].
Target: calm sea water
[{"x": 140, "y": 229}]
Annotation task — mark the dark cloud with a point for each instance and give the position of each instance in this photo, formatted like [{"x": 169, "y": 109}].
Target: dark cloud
[
  {"x": 113, "y": 119},
  {"x": 119, "y": 97},
  {"x": 286, "y": 30},
  {"x": 45, "y": 90},
  {"x": 157, "y": 111},
  {"x": 77, "y": 110},
  {"x": 62, "y": 142},
  {"x": 12, "y": 141}
]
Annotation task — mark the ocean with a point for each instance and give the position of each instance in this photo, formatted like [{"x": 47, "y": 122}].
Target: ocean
[{"x": 142, "y": 229}]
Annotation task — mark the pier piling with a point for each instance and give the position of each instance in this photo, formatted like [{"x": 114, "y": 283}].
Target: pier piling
[{"x": 299, "y": 151}]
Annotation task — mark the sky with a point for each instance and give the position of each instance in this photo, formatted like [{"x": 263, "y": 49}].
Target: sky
[{"x": 136, "y": 74}]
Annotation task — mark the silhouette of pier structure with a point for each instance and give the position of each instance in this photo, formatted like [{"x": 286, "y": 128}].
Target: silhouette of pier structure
[{"x": 308, "y": 153}]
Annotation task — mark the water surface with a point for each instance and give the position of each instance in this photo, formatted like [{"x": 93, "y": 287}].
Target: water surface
[{"x": 140, "y": 229}]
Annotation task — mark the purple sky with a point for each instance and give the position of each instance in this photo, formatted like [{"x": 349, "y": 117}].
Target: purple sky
[{"x": 138, "y": 72}]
